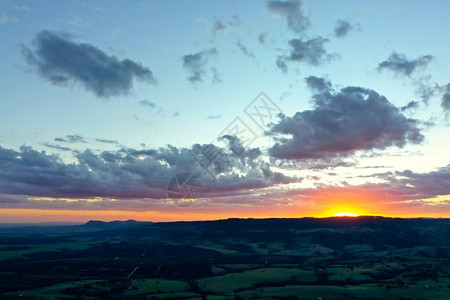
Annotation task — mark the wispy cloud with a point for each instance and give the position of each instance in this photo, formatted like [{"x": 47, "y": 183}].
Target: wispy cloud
[{"x": 196, "y": 64}]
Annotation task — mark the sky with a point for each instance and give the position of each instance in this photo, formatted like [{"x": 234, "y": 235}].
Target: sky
[{"x": 202, "y": 110}]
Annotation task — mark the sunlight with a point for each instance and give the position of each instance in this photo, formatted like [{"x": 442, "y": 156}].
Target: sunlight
[{"x": 345, "y": 214}]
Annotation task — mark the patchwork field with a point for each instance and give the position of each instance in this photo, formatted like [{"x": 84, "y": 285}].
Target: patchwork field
[{"x": 336, "y": 258}]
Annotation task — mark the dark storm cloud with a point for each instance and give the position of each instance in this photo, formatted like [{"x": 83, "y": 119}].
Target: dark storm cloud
[
  {"x": 401, "y": 65},
  {"x": 343, "y": 28},
  {"x": 341, "y": 123},
  {"x": 62, "y": 61},
  {"x": 71, "y": 138},
  {"x": 131, "y": 173},
  {"x": 195, "y": 64},
  {"x": 311, "y": 52},
  {"x": 292, "y": 11}
]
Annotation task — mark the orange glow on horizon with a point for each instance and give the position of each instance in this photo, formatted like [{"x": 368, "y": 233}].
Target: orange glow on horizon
[{"x": 323, "y": 203}]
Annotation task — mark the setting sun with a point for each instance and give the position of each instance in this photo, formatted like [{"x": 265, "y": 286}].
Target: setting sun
[{"x": 345, "y": 214}]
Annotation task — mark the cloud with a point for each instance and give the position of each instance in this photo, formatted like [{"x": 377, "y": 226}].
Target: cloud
[
  {"x": 412, "y": 105},
  {"x": 195, "y": 64},
  {"x": 216, "y": 76},
  {"x": 57, "y": 147},
  {"x": 292, "y": 11},
  {"x": 61, "y": 61},
  {"x": 318, "y": 84},
  {"x": 424, "y": 185},
  {"x": 341, "y": 123},
  {"x": 72, "y": 138},
  {"x": 445, "y": 104},
  {"x": 24, "y": 8},
  {"x": 133, "y": 173},
  {"x": 343, "y": 28},
  {"x": 262, "y": 38},
  {"x": 4, "y": 18},
  {"x": 426, "y": 90},
  {"x": 147, "y": 103},
  {"x": 311, "y": 52},
  {"x": 399, "y": 64},
  {"x": 77, "y": 22},
  {"x": 105, "y": 141},
  {"x": 245, "y": 50},
  {"x": 220, "y": 27},
  {"x": 152, "y": 105},
  {"x": 408, "y": 185}
]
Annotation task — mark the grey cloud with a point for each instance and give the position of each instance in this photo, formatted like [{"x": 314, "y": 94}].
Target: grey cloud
[
  {"x": 311, "y": 52},
  {"x": 71, "y": 138},
  {"x": 425, "y": 185},
  {"x": 343, "y": 28},
  {"x": 61, "y": 61},
  {"x": 318, "y": 84},
  {"x": 195, "y": 64},
  {"x": 412, "y": 105},
  {"x": 445, "y": 104},
  {"x": 105, "y": 141},
  {"x": 131, "y": 173},
  {"x": 292, "y": 11},
  {"x": 341, "y": 123},
  {"x": 401, "y": 65},
  {"x": 409, "y": 185}
]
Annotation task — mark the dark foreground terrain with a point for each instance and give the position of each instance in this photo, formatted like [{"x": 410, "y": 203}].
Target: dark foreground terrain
[{"x": 331, "y": 258}]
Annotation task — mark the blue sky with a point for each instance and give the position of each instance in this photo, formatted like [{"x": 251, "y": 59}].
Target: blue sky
[{"x": 158, "y": 35}]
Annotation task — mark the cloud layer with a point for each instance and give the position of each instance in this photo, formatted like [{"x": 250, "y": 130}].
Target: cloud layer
[{"x": 133, "y": 174}]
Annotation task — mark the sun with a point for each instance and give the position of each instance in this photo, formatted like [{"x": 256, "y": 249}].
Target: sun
[{"x": 345, "y": 214}]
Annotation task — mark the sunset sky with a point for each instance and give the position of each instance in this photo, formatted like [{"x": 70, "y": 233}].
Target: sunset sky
[{"x": 262, "y": 108}]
